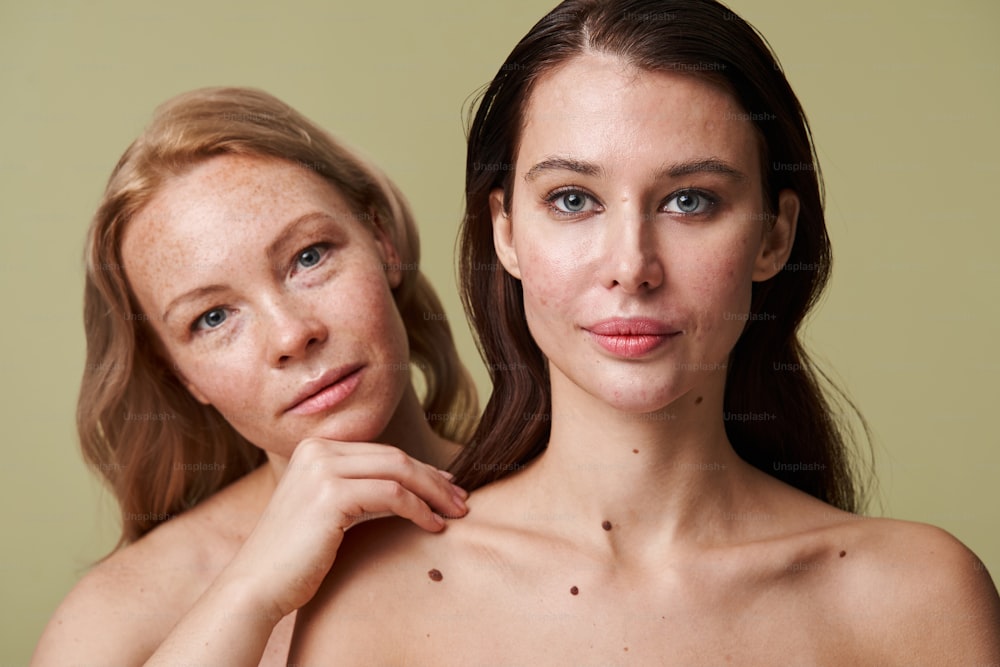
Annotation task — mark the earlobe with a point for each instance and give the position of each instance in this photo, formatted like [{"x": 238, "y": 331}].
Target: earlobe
[
  {"x": 779, "y": 237},
  {"x": 503, "y": 234}
]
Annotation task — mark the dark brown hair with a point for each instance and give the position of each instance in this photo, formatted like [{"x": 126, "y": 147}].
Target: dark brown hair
[
  {"x": 768, "y": 371},
  {"x": 139, "y": 427}
]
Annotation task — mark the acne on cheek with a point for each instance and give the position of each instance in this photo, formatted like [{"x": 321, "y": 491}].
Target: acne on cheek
[{"x": 547, "y": 300}]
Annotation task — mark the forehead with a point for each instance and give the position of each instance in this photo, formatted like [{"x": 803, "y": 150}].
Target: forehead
[
  {"x": 599, "y": 107},
  {"x": 248, "y": 191},
  {"x": 219, "y": 215}
]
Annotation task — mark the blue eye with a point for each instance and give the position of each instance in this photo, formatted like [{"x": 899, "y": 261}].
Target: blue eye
[
  {"x": 690, "y": 202},
  {"x": 569, "y": 201},
  {"x": 211, "y": 319},
  {"x": 309, "y": 257},
  {"x": 574, "y": 202}
]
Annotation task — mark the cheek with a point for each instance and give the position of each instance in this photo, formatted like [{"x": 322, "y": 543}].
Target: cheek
[
  {"x": 368, "y": 311},
  {"x": 362, "y": 315},
  {"x": 226, "y": 379},
  {"x": 715, "y": 279},
  {"x": 550, "y": 281}
]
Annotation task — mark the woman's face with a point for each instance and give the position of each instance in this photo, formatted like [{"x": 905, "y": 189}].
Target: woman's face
[
  {"x": 636, "y": 227},
  {"x": 272, "y": 300}
]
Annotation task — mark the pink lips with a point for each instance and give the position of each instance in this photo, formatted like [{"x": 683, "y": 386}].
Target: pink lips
[
  {"x": 326, "y": 391},
  {"x": 631, "y": 337}
]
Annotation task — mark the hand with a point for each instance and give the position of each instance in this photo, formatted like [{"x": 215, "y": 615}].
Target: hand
[{"x": 328, "y": 487}]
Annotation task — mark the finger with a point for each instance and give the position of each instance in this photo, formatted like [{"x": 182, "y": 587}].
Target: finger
[
  {"x": 462, "y": 493},
  {"x": 366, "y": 516},
  {"x": 317, "y": 449},
  {"x": 419, "y": 478},
  {"x": 374, "y": 498}
]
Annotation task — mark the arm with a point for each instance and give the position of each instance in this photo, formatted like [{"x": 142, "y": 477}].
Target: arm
[{"x": 327, "y": 488}]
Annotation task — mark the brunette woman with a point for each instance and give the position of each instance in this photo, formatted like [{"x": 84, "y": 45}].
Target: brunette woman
[
  {"x": 651, "y": 489},
  {"x": 253, "y": 310}
]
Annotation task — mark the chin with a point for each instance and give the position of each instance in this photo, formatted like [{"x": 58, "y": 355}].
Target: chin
[
  {"x": 639, "y": 403},
  {"x": 365, "y": 428},
  {"x": 348, "y": 426}
]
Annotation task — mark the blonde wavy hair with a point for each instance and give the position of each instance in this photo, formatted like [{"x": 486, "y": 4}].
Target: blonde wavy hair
[{"x": 139, "y": 427}]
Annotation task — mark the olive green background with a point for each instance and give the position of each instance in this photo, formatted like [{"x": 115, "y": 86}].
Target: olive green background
[{"x": 904, "y": 104}]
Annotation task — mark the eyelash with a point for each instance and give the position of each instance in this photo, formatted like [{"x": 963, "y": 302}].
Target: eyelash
[
  {"x": 550, "y": 199},
  {"x": 324, "y": 249}
]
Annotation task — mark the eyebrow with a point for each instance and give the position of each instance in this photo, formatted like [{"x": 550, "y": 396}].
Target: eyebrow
[
  {"x": 708, "y": 165},
  {"x": 275, "y": 249},
  {"x": 712, "y": 165},
  {"x": 564, "y": 164},
  {"x": 191, "y": 295}
]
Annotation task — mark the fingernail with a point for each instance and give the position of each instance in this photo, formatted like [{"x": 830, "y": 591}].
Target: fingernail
[
  {"x": 460, "y": 503},
  {"x": 459, "y": 491},
  {"x": 447, "y": 475},
  {"x": 438, "y": 519}
]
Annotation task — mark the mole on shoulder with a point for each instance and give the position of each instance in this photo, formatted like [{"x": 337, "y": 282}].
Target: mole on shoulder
[
  {"x": 435, "y": 574},
  {"x": 697, "y": 400},
  {"x": 574, "y": 591},
  {"x": 606, "y": 525},
  {"x": 843, "y": 553},
  {"x": 635, "y": 451}
]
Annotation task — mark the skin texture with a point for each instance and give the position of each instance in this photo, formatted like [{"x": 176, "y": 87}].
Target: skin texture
[
  {"x": 638, "y": 535},
  {"x": 220, "y": 584}
]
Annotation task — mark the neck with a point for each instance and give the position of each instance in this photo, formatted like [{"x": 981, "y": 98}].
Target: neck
[
  {"x": 665, "y": 475},
  {"x": 409, "y": 431}
]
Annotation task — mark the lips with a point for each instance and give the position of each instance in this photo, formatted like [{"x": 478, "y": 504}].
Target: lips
[
  {"x": 631, "y": 337},
  {"x": 326, "y": 391}
]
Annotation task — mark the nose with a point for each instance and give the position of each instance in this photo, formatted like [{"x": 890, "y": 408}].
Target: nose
[
  {"x": 294, "y": 331},
  {"x": 631, "y": 260}
]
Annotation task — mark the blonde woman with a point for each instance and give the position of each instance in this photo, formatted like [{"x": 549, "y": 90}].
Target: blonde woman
[{"x": 252, "y": 310}]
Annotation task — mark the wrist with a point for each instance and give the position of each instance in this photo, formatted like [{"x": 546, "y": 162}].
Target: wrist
[{"x": 245, "y": 600}]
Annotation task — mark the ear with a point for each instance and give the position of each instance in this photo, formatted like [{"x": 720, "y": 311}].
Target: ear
[
  {"x": 503, "y": 234},
  {"x": 391, "y": 262},
  {"x": 776, "y": 244}
]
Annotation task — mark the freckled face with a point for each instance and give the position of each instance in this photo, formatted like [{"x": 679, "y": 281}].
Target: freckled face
[
  {"x": 264, "y": 286},
  {"x": 636, "y": 227}
]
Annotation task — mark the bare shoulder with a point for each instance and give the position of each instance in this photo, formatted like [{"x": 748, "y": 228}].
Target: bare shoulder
[
  {"x": 385, "y": 570},
  {"x": 902, "y": 593},
  {"x": 918, "y": 594},
  {"x": 121, "y": 609}
]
